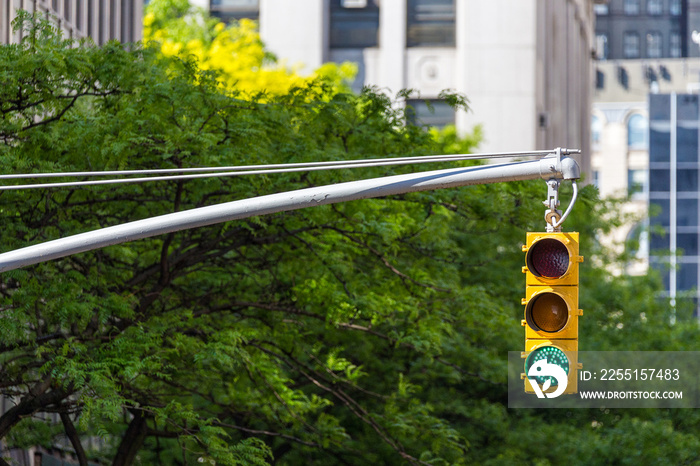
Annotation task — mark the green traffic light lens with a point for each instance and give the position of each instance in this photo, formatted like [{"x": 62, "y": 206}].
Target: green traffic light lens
[
  {"x": 552, "y": 355},
  {"x": 548, "y": 258},
  {"x": 547, "y": 312}
]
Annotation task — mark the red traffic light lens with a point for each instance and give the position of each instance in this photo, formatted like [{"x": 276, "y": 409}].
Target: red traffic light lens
[
  {"x": 547, "y": 312},
  {"x": 548, "y": 258}
]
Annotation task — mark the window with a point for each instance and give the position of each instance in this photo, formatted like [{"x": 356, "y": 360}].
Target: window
[
  {"x": 687, "y": 180},
  {"x": 687, "y": 212},
  {"x": 637, "y": 132},
  {"x": 126, "y": 34},
  {"x": 430, "y": 23},
  {"x": 674, "y": 45},
  {"x": 688, "y": 242},
  {"x": 241, "y": 4},
  {"x": 675, "y": 8},
  {"x": 600, "y": 9},
  {"x": 655, "y": 7},
  {"x": 630, "y": 45},
  {"x": 638, "y": 241},
  {"x": 623, "y": 77},
  {"x": 596, "y": 129},
  {"x": 89, "y": 29},
  {"x": 687, "y": 278},
  {"x": 112, "y": 20},
  {"x": 601, "y": 46},
  {"x": 688, "y": 281},
  {"x": 437, "y": 113},
  {"x": 636, "y": 182},
  {"x": 659, "y": 214},
  {"x": 654, "y": 45},
  {"x": 599, "y": 79},
  {"x": 228, "y": 10},
  {"x": 631, "y": 7},
  {"x": 354, "y": 24},
  {"x": 79, "y": 15},
  {"x": 650, "y": 74}
]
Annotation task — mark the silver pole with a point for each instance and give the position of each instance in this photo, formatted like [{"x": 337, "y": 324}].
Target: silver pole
[
  {"x": 673, "y": 215},
  {"x": 545, "y": 168}
]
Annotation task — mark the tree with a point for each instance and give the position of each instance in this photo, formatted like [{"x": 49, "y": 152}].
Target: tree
[
  {"x": 235, "y": 52},
  {"x": 154, "y": 341},
  {"x": 368, "y": 332}
]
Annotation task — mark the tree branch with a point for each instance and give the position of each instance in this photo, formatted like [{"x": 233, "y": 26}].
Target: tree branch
[
  {"x": 37, "y": 398},
  {"x": 74, "y": 438},
  {"x": 386, "y": 262}
]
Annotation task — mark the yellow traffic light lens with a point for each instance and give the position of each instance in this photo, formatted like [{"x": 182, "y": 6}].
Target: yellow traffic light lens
[
  {"x": 547, "y": 312},
  {"x": 548, "y": 258}
]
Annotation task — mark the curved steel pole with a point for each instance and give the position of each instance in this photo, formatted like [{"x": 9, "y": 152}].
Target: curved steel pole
[{"x": 546, "y": 168}]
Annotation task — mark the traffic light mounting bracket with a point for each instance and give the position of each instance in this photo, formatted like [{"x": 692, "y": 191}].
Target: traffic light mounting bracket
[{"x": 552, "y": 215}]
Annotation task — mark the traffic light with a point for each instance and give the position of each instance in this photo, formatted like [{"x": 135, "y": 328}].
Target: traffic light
[{"x": 551, "y": 311}]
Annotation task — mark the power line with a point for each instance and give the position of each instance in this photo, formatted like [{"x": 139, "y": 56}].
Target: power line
[
  {"x": 207, "y": 172},
  {"x": 270, "y": 166}
]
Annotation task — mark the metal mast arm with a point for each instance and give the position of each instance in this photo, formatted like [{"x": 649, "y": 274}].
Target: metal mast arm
[{"x": 550, "y": 167}]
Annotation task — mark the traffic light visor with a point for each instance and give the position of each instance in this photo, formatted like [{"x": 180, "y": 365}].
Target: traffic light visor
[
  {"x": 547, "y": 312},
  {"x": 548, "y": 258}
]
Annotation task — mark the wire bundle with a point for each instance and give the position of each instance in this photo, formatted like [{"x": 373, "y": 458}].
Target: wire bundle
[{"x": 171, "y": 174}]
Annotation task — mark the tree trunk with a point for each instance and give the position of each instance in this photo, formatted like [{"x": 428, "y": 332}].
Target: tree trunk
[{"x": 132, "y": 441}]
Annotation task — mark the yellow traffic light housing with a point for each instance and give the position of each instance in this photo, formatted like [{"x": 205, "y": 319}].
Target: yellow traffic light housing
[{"x": 551, "y": 305}]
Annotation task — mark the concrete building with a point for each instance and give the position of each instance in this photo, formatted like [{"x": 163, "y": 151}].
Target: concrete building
[
  {"x": 525, "y": 65},
  {"x": 620, "y": 136},
  {"x": 645, "y": 110},
  {"x": 632, "y": 29},
  {"x": 620, "y": 117},
  {"x": 100, "y": 19}
]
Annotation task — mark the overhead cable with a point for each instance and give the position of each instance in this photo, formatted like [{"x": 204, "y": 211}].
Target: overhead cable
[{"x": 208, "y": 172}]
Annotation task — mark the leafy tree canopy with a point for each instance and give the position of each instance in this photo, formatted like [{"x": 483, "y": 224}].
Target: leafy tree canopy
[
  {"x": 369, "y": 332},
  {"x": 236, "y": 52}
]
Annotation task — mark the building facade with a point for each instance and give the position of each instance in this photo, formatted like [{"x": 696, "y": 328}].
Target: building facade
[
  {"x": 633, "y": 29},
  {"x": 620, "y": 119},
  {"x": 651, "y": 29},
  {"x": 620, "y": 129},
  {"x": 525, "y": 65},
  {"x": 674, "y": 160},
  {"x": 644, "y": 110},
  {"x": 102, "y": 20}
]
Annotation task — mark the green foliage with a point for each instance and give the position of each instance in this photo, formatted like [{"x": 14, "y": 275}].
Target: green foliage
[
  {"x": 369, "y": 332},
  {"x": 30, "y": 433},
  {"x": 235, "y": 52}
]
